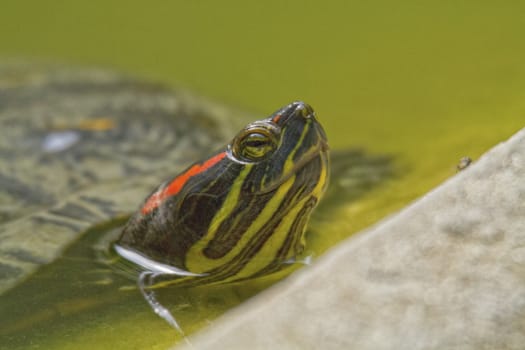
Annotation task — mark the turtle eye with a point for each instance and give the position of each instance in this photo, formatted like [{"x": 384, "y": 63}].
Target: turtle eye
[{"x": 255, "y": 144}]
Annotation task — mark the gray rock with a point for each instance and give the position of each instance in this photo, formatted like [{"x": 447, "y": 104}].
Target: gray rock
[{"x": 448, "y": 272}]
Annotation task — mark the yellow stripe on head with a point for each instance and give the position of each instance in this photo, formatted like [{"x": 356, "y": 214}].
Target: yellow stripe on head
[
  {"x": 195, "y": 259},
  {"x": 198, "y": 263}
]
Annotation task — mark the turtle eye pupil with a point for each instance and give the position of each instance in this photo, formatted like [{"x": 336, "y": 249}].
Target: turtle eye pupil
[
  {"x": 256, "y": 140},
  {"x": 254, "y": 146}
]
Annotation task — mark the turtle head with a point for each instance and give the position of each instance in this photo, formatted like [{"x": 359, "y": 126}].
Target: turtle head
[
  {"x": 242, "y": 212},
  {"x": 278, "y": 147}
]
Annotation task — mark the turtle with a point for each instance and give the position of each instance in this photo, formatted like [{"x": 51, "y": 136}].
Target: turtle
[
  {"x": 85, "y": 146},
  {"x": 237, "y": 215}
]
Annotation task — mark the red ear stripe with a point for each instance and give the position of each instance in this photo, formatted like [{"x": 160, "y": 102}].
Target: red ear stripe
[{"x": 176, "y": 185}]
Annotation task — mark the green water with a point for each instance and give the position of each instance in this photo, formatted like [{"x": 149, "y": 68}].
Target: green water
[{"x": 428, "y": 82}]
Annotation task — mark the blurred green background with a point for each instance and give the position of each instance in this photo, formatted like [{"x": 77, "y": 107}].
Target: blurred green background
[
  {"x": 388, "y": 75},
  {"x": 425, "y": 81}
]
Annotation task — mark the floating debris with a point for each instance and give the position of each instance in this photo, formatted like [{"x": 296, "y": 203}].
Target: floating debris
[{"x": 60, "y": 141}]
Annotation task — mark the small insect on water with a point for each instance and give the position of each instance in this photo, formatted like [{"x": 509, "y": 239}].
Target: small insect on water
[
  {"x": 463, "y": 163},
  {"x": 238, "y": 215}
]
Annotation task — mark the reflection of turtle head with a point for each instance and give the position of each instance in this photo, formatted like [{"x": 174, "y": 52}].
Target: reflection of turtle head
[{"x": 242, "y": 212}]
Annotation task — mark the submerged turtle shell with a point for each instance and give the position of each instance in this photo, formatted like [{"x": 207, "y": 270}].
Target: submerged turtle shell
[{"x": 79, "y": 147}]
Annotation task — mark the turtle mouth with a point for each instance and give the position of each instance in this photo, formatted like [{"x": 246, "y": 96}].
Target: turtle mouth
[{"x": 321, "y": 151}]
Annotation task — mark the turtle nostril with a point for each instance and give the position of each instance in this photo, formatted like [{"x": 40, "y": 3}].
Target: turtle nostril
[
  {"x": 297, "y": 109},
  {"x": 304, "y": 108}
]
